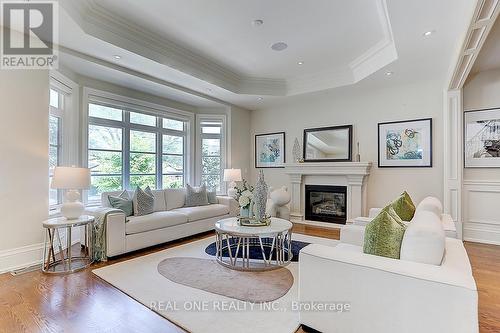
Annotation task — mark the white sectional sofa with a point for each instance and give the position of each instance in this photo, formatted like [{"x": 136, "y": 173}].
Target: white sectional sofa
[
  {"x": 449, "y": 226},
  {"x": 390, "y": 295},
  {"x": 170, "y": 221}
]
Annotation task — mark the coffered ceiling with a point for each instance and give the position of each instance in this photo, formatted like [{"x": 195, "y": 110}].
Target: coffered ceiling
[{"x": 217, "y": 50}]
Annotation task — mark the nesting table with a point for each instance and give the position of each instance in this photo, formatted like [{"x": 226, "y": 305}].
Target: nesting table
[
  {"x": 57, "y": 256},
  {"x": 235, "y": 243}
]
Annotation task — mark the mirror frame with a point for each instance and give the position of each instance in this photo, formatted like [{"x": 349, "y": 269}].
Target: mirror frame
[{"x": 348, "y": 159}]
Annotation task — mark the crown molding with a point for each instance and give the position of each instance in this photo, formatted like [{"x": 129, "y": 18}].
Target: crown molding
[{"x": 98, "y": 22}]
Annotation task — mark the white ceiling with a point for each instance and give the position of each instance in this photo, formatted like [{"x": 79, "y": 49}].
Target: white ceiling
[
  {"x": 489, "y": 56},
  {"x": 327, "y": 35},
  {"x": 211, "y": 49}
]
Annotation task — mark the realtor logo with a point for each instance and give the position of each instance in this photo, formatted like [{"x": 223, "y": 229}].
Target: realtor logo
[{"x": 29, "y": 35}]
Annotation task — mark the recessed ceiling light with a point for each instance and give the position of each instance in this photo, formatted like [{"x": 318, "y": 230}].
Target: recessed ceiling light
[
  {"x": 257, "y": 23},
  {"x": 300, "y": 63},
  {"x": 117, "y": 57},
  {"x": 279, "y": 46},
  {"x": 428, "y": 33},
  {"x": 389, "y": 73},
  {"x": 260, "y": 98}
]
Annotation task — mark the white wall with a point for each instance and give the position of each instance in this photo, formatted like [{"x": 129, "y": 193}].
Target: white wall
[
  {"x": 363, "y": 106},
  {"x": 24, "y": 164},
  {"x": 481, "y": 193}
]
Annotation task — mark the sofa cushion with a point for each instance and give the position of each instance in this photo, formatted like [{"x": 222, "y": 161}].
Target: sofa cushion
[
  {"x": 203, "y": 212},
  {"x": 153, "y": 221},
  {"x": 404, "y": 207},
  {"x": 159, "y": 196},
  {"x": 175, "y": 198},
  {"x": 431, "y": 204},
  {"x": 122, "y": 202},
  {"x": 424, "y": 239},
  {"x": 212, "y": 197},
  {"x": 144, "y": 201},
  {"x": 196, "y": 196},
  {"x": 384, "y": 234}
]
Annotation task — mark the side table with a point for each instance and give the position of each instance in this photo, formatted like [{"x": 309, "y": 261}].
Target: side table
[{"x": 64, "y": 261}]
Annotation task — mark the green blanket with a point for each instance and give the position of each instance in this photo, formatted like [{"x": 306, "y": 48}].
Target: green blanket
[{"x": 99, "y": 231}]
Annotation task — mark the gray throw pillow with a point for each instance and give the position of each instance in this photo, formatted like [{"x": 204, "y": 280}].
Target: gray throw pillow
[
  {"x": 122, "y": 202},
  {"x": 144, "y": 201},
  {"x": 212, "y": 197},
  {"x": 196, "y": 196}
]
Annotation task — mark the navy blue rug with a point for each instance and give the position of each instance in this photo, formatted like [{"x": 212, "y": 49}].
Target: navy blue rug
[{"x": 255, "y": 251}]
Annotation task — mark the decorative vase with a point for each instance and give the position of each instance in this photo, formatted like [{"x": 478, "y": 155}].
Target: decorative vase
[
  {"x": 297, "y": 152},
  {"x": 260, "y": 197},
  {"x": 244, "y": 211}
]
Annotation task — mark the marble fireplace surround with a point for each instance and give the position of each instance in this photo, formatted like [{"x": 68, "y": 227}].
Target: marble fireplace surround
[{"x": 353, "y": 175}]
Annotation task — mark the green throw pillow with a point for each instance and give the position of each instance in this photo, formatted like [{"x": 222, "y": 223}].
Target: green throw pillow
[
  {"x": 212, "y": 197},
  {"x": 122, "y": 202},
  {"x": 384, "y": 234},
  {"x": 404, "y": 207}
]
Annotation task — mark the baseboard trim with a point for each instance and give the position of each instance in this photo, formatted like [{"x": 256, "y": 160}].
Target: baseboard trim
[{"x": 22, "y": 257}]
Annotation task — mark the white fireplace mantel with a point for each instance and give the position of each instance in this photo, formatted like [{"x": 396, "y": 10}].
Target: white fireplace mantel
[{"x": 350, "y": 174}]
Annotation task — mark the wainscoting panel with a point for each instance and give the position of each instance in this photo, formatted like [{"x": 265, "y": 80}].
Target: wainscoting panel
[{"x": 481, "y": 211}]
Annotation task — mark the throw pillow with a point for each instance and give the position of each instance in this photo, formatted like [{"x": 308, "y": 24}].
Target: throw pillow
[
  {"x": 212, "y": 197},
  {"x": 196, "y": 196},
  {"x": 404, "y": 207},
  {"x": 424, "y": 241},
  {"x": 122, "y": 202},
  {"x": 384, "y": 234},
  {"x": 144, "y": 201}
]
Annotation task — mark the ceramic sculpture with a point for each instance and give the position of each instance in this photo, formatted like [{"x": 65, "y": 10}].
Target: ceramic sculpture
[
  {"x": 260, "y": 197},
  {"x": 278, "y": 201}
]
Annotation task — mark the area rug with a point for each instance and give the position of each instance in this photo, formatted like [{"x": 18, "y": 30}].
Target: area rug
[
  {"x": 208, "y": 275},
  {"x": 197, "y": 310},
  {"x": 255, "y": 252}
]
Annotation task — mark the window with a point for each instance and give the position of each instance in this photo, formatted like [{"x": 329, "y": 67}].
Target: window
[
  {"x": 56, "y": 114},
  {"x": 105, "y": 158},
  {"x": 212, "y": 151},
  {"x": 130, "y": 146}
]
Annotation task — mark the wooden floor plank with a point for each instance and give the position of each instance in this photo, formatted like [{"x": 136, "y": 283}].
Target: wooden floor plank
[{"x": 82, "y": 302}]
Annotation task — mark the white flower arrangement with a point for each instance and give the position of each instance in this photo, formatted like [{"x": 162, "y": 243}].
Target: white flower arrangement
[{"x": 244, "y": 194}]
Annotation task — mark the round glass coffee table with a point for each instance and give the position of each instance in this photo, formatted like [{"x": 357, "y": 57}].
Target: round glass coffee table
[{"x": 253, "y": 248}]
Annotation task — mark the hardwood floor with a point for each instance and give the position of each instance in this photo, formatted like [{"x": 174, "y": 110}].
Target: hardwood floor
[{"x": 81, "y": 302}]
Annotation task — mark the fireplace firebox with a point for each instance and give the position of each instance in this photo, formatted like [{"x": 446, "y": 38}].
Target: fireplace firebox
[{"x": 326, "y": 203}]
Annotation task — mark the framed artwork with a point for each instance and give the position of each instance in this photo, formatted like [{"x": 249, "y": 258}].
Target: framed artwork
[
  {"x": 270, "y": 150},
  {"x": 482, "y": 138},
  {"x": 405, "y": 144},
  {"x": 328, "y": 144}
]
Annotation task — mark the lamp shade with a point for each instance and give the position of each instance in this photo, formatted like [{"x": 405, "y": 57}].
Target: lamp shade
[
  {"x": 70, "y": 178},
  {"x": 232, "y": 175}
]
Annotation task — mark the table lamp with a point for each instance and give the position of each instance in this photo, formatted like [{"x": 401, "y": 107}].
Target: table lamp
[
  {"x": 232, "y": 176},
  {"x": 71, "y": 179}
]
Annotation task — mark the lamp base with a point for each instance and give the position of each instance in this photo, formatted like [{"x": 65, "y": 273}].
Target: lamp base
[{"x": 72, "y": 208}]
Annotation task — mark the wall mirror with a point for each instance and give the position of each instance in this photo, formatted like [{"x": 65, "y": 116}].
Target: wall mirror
[{"x": 328, "y": 144}]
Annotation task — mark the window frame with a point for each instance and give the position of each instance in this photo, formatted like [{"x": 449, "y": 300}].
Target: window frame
[
  {"x": 222, "y": 119},
  {"x": 128, "y": 105}
]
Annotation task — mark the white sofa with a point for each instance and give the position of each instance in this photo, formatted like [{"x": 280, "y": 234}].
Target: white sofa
[
  {"x": 449, "y": 226},
  {"x": 170, "y": 221},
  {"x": 389, "y": 295}
]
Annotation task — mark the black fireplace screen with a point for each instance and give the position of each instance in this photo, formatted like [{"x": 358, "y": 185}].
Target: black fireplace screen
[{"x": 326, "y": 203}]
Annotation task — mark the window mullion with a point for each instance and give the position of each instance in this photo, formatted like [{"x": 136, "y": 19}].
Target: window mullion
[
  {"x": 159, "y": 156},
  {"x": 126, "y": 151}
]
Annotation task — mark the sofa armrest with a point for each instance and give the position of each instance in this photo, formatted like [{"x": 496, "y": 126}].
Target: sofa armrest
[
  {"x": 234, "y": 207},
  {"x": 115, "y": 230},
  {"x": 353, "y": 234},
  {"x": 371, "y": 285}
]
